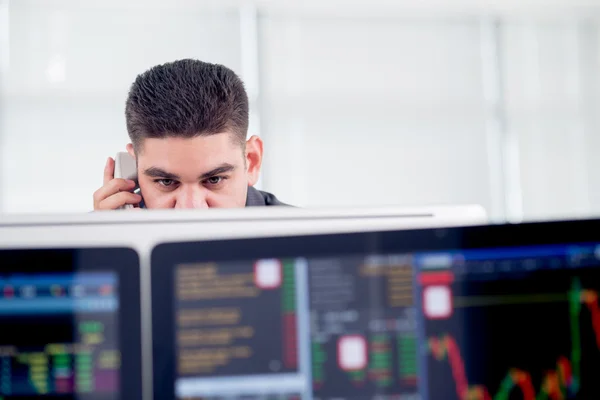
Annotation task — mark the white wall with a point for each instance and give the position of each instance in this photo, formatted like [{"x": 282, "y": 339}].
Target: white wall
[
  {"x": 387, "y": 110},
  {"x": 551, "y": 93},
  {"x": 372, "y": 103},
  {"x": 369, "y": 116}
]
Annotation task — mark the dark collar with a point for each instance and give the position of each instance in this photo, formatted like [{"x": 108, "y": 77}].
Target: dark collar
[
  {"x": 254, "y": 198},
  {"x": 257, "y": 198}
]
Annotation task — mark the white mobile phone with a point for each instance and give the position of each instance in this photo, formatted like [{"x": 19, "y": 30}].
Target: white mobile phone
[{"x": 126, "y": 168}]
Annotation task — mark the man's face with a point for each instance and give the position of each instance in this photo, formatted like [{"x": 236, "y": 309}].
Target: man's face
[{"x": 201, "y": 172}]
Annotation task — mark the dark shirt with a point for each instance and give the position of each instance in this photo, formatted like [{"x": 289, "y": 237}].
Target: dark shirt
[{"x": 258, "y": 198}]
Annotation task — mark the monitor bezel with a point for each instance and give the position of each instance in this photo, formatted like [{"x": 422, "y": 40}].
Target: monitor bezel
[
  {"x": 122, "y": 261},
  {"x": 166, "y": 256}
]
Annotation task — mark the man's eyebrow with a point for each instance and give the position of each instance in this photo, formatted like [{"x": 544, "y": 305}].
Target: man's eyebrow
[
  {"x": 223, "y": 168},
  {"x": 155, "y": 172}
]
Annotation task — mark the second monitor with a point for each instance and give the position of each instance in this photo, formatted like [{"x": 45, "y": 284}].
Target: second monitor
[{"x": 323, "y": 317}]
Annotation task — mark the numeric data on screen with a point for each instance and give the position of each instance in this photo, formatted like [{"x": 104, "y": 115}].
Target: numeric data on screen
[
  {"x": 362, "y": 328},
  {"x": 59, "y": 335},
  {"x": 236, "y": 319}
]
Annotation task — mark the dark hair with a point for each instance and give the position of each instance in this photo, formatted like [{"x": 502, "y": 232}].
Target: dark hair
[{"x": 186, "y": 98}]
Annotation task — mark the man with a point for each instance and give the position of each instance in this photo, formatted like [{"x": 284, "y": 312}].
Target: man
[{"x": 188, "y": 122}]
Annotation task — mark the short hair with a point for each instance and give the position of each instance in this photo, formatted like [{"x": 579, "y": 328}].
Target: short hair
[{"x": 186, "y": 98}]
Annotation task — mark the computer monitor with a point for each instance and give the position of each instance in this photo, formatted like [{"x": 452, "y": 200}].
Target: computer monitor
[
  {"x": 483, "y": 312},
  {"x": 70, "y": 324},
  {"x": 316, "y": 316}
]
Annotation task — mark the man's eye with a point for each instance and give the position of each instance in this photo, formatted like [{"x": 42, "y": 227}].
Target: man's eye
[
  {"x": 166, "y": 182},
  {"x": 214, "y": 180}
]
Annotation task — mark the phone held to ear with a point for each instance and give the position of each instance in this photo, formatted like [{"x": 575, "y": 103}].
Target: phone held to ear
[{"x": 126, "y": 168}]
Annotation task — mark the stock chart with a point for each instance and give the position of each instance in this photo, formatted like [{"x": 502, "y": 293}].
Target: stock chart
[
  {"x": 58, "y": 336},
  {"x": 514, "y": 329},
  {"x": 362, "y": 327}
]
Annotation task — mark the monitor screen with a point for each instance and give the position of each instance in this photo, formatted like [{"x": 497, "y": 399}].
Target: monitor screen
[
  {"x": 511, "y": 322},
  {"x": 499, "y": 312},
  {"x": 306, "y": 321},
  {"x": 69, "y": 324}
]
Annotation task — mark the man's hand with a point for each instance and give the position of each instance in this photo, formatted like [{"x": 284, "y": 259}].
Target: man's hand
[{"x": 115, "y": 192}]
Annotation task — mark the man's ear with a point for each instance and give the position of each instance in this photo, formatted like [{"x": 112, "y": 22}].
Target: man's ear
[
  {"x": 130, "y": 150},
  {"x": 254, "y": 155}
]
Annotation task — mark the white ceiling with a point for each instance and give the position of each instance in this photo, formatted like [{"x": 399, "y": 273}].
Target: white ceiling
[{"x": 395, "y": 8}]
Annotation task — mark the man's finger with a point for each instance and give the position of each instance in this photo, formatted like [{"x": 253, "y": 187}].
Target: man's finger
[
  {"x": 114, "y": 186},
  {"x": 109, "y": 171},
  {"x": 119, "y": 200}
]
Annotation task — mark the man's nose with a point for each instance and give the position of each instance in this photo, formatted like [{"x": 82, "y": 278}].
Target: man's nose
[{"x": 191, "y": 197}]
